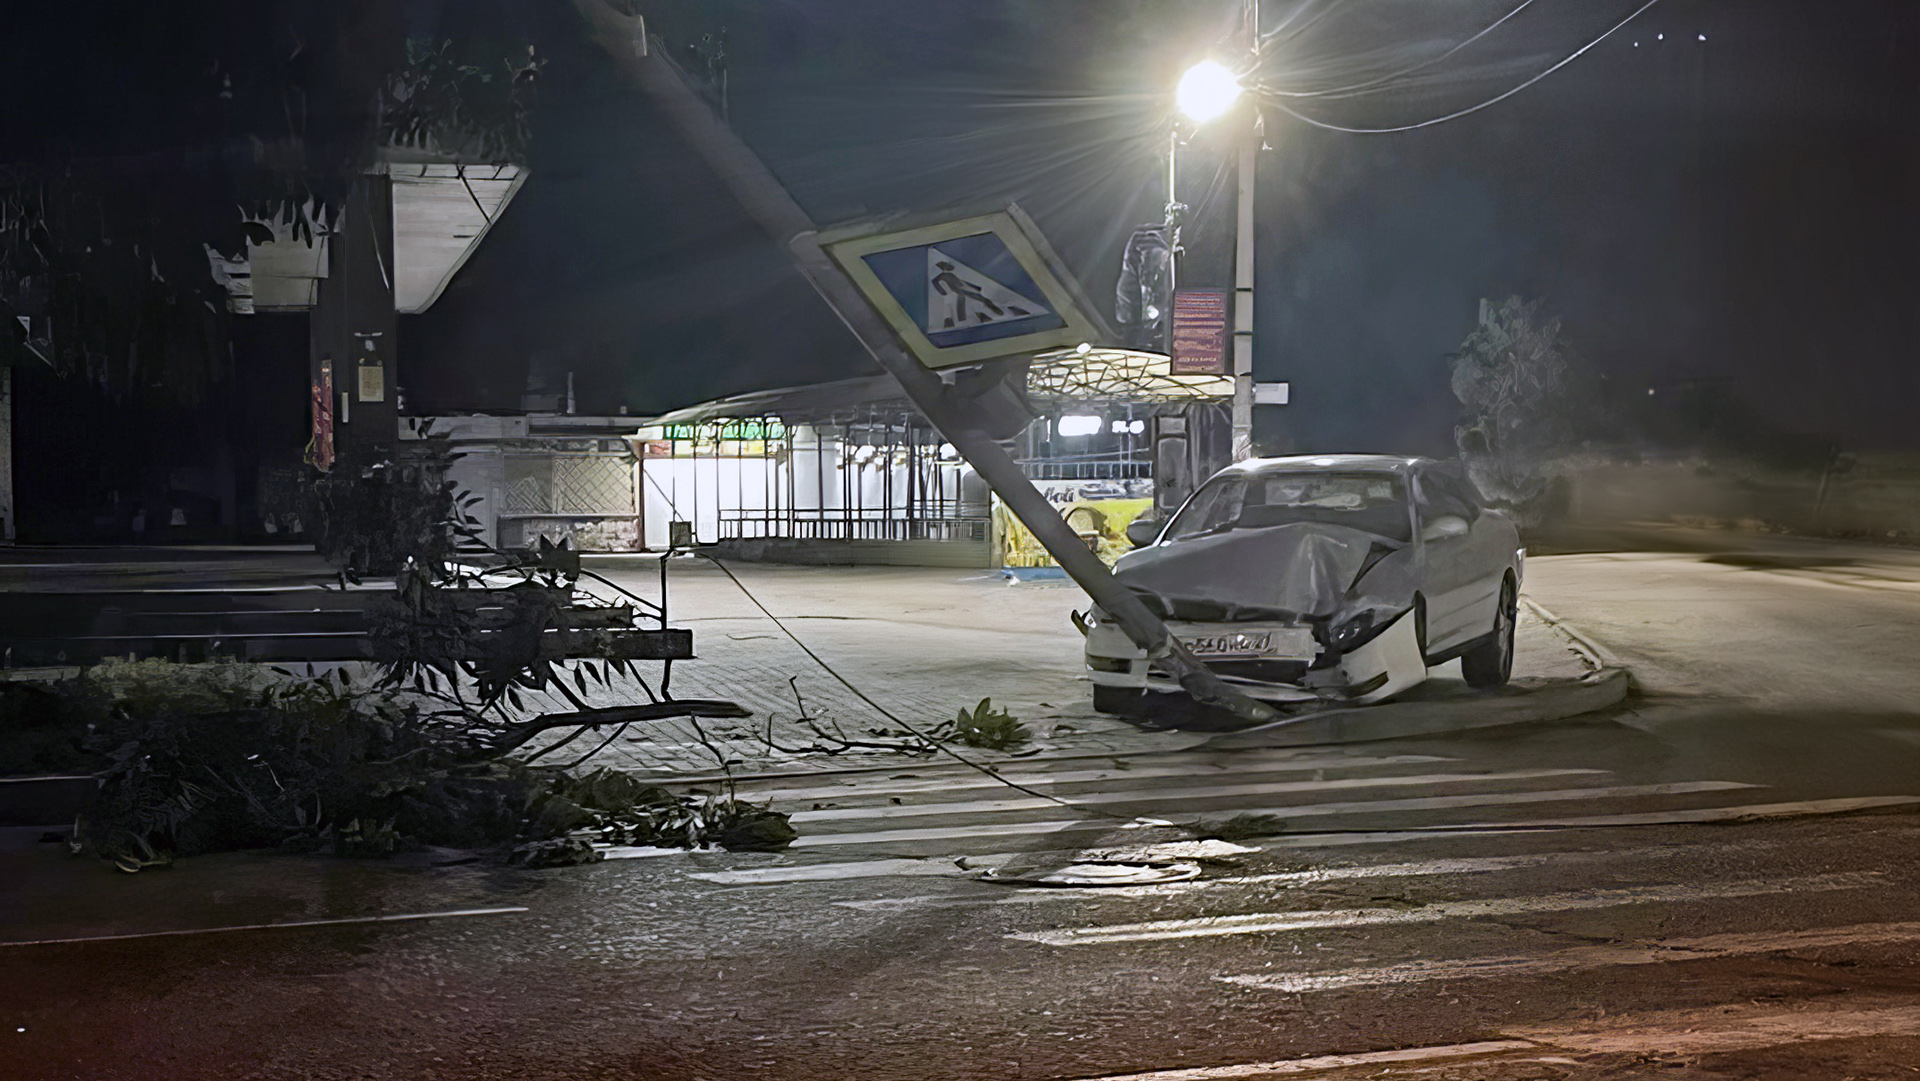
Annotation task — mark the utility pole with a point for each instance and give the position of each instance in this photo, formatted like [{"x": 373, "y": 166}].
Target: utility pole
[
  {"x": 1243, "y": 267},
  {"x": 962, "y": 420},
  {"x": 1176, "y": 210}
]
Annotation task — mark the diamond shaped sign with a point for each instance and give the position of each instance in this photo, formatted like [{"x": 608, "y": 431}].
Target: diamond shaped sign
[{"x": 967, "y": 291}]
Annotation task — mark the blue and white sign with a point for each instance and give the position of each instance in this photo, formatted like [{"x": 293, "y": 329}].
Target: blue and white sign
[{"x": 966, "y": 291}]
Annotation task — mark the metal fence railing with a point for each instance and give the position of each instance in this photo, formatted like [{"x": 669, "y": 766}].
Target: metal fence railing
[
  {"x": 1087, "y": 469},
  {"x": 836, "y": 527}
]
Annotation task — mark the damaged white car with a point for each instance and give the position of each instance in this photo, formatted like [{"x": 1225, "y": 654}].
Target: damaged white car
[{"x": 1335, "y": 578}]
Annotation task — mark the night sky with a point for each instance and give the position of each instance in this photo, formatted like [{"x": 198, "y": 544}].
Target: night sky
[{"x": 1739, "y": 211}]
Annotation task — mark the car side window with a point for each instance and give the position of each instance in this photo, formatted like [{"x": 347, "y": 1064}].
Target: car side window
[
  {"x": 1441, "y": 495},
  {"x": 1216, "y": 506}
]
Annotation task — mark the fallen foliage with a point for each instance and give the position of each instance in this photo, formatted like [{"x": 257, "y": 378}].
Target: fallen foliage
[
  {"x": 207, "y": 757},
  {"x": 986, "y": 727}
]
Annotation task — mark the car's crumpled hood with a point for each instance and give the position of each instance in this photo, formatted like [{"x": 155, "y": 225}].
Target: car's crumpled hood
[{"x": 1304, "y": 568}]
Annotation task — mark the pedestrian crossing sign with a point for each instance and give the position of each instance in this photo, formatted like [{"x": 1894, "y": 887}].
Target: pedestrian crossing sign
[{"x": 967, "y": 291}]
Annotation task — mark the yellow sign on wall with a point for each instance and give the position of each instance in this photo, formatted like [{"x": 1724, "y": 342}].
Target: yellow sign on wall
[{"x": 1099, "y": 511}]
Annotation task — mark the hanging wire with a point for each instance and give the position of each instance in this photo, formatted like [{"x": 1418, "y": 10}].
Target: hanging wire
[
  {"x": 1570, "y": 58},
  {"x": 1370, "y": 84}
]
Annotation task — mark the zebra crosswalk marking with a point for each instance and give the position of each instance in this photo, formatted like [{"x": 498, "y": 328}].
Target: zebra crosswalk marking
[
  {"x": 1154, "y": 795},
  {"x": 1485, "y": 799},
  {"x": 1249, "y": 765},
  {"x": 1418, "y": 869},
  {"x": 1691, "y": 1032},
  {"x": 1275, "y": 922},
  {"x": 1839, "y": 805},
  {"x": 1665, "y": 951}
]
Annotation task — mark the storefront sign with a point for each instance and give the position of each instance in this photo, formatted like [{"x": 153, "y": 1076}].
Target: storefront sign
[
  {"x": 732, "y": 429},
  {"x": 1099, "y": 511},
  {"x": 1199, "y": 332}
]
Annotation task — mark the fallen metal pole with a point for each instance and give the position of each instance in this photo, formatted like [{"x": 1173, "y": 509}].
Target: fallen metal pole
[{"x": 769, "y": 203}]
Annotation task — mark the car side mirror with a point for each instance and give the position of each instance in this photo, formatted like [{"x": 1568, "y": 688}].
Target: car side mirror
[
  {"x": 1143, "y": 531},
  {"x": 1447, "y": 525}
]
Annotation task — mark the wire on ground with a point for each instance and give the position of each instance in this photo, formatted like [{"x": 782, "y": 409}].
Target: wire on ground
[{"x": 891, "y": 716}]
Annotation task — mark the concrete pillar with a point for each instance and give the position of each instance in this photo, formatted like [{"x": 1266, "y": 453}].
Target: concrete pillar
[{"x": 353, "y": 323}]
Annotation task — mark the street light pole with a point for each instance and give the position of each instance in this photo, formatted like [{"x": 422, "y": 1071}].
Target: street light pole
[
  {"x": 1243, "y": 300},
  {"x": 1207, "y": 91},
  {"x": 1173, "y": 216},
  {"x": 1243, "y": 267}
]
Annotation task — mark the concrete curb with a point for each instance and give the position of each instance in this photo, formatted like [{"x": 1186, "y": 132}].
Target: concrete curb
[
  {"x": 1595, "y": 654},
  {"x": 1520, "y": 704}
]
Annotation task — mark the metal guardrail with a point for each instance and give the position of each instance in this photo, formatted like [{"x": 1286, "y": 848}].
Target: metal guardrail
[
  {"x": 846, "y": 528},
  {"x": 1068, "y": 469}
]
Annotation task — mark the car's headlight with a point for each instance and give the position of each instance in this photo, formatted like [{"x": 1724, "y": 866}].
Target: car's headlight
[
  {"x": 1350, "y": 633},
  {"x": 1353, "y": 632}
]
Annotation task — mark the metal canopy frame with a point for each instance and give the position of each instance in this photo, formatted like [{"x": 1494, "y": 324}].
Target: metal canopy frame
[{"x": 1118, "y": 375}]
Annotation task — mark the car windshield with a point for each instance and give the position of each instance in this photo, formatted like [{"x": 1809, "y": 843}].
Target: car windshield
[{"x": 1374, "y": 502}]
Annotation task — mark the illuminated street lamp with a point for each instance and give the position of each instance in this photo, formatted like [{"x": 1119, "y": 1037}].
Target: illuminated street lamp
[{"x": 1208, "y": 91}]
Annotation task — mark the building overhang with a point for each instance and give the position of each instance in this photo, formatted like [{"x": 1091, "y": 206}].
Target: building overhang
[
  {"x": 441, "y": 213},
  {"x": 1096, "y": 376},
  {"x": 442, "y": 210}
]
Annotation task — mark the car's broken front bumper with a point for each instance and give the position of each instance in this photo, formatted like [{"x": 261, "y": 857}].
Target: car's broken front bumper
[{"x": 1269, "y": 661}]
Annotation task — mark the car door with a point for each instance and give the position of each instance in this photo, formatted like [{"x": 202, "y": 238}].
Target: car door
[{"x": 1462, "y": 569}]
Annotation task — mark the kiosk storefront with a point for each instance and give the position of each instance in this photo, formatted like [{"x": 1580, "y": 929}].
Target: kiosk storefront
[{"x": 850, "y": 472}]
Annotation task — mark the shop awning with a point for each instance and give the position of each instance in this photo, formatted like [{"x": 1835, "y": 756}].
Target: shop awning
[
  {"x": 816, "y": 404},
  {"x": 1118, "y": 375},
  {"x": 1098, "y": 375}
]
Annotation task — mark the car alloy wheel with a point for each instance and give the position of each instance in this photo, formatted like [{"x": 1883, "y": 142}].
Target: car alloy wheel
[{"x": 1489, "y": 664}]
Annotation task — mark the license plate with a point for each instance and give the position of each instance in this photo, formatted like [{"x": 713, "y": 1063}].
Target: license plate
[
  {"x": 1290, "y": 642},
  {"x": 1241, "y": 644}
]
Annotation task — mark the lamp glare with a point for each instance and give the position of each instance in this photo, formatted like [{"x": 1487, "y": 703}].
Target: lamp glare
[{"x": 1206, "y": 91}]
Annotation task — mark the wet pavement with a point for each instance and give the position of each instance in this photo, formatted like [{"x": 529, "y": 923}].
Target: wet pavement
[
  {"x": 1582, "y": 899},
  {"x": 676, "y": 967}
]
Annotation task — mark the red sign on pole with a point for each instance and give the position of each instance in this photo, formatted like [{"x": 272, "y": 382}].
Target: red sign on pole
[
  {"x": 320, "y": 447},
  {"x": 1199, "y": 332}
]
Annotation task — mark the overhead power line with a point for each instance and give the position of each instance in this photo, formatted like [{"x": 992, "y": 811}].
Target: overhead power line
[
  {"x": 1344, "y": 91},
  {"x": 1570, "y": 58}
]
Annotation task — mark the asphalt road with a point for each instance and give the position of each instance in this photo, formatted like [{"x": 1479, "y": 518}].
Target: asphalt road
[{"x": 1578, "y": 900}]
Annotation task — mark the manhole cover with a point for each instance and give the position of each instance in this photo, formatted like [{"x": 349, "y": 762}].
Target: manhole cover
[{"x": 1101, "y": 873}]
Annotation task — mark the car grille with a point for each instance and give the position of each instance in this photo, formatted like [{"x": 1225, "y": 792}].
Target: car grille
[
  {"x": 1192, "y": 610},
  {"x": 1264, "y": 671}
]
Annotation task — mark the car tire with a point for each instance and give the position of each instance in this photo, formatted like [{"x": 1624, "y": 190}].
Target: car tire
[
  {"x": 1119, "y": 701},
  {"x": 1489, "y": 663}
]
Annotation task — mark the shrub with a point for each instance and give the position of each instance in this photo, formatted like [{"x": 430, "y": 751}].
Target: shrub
[
  {"x": 196, "y": 758},
  {"x": 369, "y": 515}
]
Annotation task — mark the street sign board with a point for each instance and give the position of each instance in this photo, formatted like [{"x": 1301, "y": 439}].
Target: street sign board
[
  {"x": 966, "y": 291},
  {"x": 1199, "y": 332},
  {"x": 1272, "y": 393}
]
